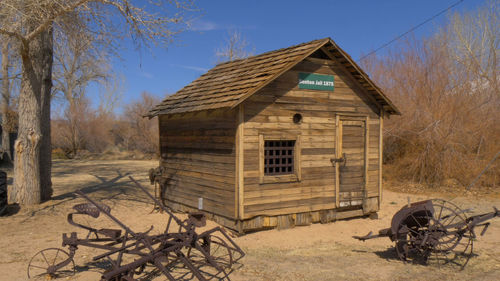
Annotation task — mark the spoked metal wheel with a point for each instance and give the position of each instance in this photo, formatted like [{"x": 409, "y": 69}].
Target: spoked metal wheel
[
  {"x": 214, "y": 260},
  {"x": 439, "y": 236},
  {"x": 220, "y": 252},
  {"x": 51, "y": 263}
]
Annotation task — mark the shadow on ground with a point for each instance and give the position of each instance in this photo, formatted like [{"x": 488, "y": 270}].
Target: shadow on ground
[
  {"x": 11, "y": 210},
  {"x": 109, "y": 186}
]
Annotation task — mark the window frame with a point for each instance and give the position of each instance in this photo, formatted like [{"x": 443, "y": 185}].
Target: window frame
[{"x": 295, "y": 176}]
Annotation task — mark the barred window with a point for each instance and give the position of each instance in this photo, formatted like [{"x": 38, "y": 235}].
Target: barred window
[{"x": 278, "y": 157}]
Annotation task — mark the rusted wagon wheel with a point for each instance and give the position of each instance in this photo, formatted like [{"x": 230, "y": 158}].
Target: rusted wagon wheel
[
  {"x": 221, "y": 253},
  {"x": 216, "y": 260},
  {"x": 51, "y": 263},
  {"x": 439, "y": 236}
]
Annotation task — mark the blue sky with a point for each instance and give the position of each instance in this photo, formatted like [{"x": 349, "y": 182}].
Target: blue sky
[{"x": 356, "y": 26}]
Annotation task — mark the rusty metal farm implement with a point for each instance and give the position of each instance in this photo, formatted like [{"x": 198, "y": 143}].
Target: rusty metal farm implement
[
  {"x": 434, "y": 232},
  {"x": 177, "y": 253}
]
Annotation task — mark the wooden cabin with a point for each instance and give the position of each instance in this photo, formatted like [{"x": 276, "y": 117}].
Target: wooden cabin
[{"x": 288, "y": 137}]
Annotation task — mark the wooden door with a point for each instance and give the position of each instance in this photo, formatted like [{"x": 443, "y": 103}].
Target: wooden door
[{"x": 351, "y": 161}]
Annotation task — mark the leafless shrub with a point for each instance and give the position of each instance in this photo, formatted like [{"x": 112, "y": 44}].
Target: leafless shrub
[
  {"x": 81, "y": 128},
  {"x": 447, "y": 89},
  {"x": 137, "y": 132}
]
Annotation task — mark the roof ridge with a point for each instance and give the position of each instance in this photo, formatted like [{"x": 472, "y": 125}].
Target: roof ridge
[
  {"x": 230, "y": 83},
  {"x": 158, "y": 107},
  {"x": 272, "y": 51}
]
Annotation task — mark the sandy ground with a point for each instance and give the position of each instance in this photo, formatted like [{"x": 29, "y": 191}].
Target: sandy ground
[{"x": 315, "y": 252}]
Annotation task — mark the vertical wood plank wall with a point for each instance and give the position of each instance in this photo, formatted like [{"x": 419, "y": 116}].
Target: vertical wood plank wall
[
  {"x": 198, "y": 153},
  {"x": 240, "y": 187},
  {"x": 271, "y": 110}
]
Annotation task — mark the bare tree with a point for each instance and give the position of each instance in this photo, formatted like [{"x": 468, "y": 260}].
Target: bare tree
[
  {"x": 235, "y": 48},
  {"x": 110, "y": 94},
  {"x": 32, "y": 23},
  {"x": 78, "y": 62},
  {"x": 71, "y": 130},
  {"x": 143, "y": 132},
  {"x": 5, "y": 96},
  {"x": 92, "y": 132},
  {"x": 474, "y": 44},
  {"x": 447, "y": 88},
  {"x": 10, "y": 81}
]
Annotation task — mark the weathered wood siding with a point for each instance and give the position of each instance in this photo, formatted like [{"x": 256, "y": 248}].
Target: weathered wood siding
[
  {"x": 198, "y": 153},
  {"x": 270, "y": 111}
]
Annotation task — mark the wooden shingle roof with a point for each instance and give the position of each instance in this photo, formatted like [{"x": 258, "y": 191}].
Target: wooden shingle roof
[{"x": 228, "y": 84}]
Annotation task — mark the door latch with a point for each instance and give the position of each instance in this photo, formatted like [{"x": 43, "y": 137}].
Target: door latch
[{"x": 338, "y": 160}]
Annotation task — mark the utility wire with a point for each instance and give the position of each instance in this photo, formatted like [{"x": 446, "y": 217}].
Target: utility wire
[{"x": 412, "y": 29}]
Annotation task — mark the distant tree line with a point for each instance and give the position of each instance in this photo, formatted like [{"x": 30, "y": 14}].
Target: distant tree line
[{"x": 81, "y": 129}]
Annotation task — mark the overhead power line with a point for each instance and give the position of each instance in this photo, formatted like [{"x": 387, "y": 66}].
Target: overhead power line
[{"x": 412, "y": 29}]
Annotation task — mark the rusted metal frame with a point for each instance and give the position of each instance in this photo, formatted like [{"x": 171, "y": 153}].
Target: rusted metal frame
[
  {"x": 120, "y": 253},
  {"x": 82, "y": 242},
  {"x": 190, "y": 229},
  {"x": 177, "y": 220},
  {"x": 211, "y": 260},
  {"x": 74, "y": 241},
  {"x": 191, "y": 267},
  {"x": 235, "y": 247},
  {"x": 108, "y": 214},
  {"x": 146, "y": 246},
  {"x": 121, "y": 269},
  {"x": 180, "y": 256},
  {"x": 164, "y": 270},
  {"x": 113, "y": 250},
  {"x": 130, "y": 266},
  {"x": 207, "y": 244},
  {"x": 147, "y": 257},
  {"x": 94, "y": 231},
  {"x": 90, "y": 229},
  {"x": 168, "y": 224},
  {"x": 477, "y": 220},
  {"x": 190, "y": 232},
  {"x": 416, "y": 224}
]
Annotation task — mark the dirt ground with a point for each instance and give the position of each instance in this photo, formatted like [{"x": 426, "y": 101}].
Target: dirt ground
[{"x": 315, "y": 252}]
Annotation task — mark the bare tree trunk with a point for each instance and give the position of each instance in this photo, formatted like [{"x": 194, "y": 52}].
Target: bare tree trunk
[
  {"x": 46, "y": 91},
  {"x": 30, "y": 171},
  {"x": 27, "y": 189},
  {"x": 5, "y": 98}
]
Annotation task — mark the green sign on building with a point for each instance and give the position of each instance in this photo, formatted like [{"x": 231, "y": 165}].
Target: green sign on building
[{"x": 313, "y": 81}]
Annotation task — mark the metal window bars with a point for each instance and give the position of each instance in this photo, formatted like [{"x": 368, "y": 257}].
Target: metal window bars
[{"x": 279, "y": 157}]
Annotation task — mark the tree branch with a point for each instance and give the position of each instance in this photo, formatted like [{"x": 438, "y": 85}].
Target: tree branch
[
  {"x": 15, "y": 35},
  {"x": 54, "y": 16}
]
